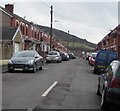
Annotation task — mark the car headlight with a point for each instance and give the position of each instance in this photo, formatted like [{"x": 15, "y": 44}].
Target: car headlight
[
  {"x": 47, "y": 58},
  {"x": 30, "y": 62},
  {"x": 9, "y": 62}
]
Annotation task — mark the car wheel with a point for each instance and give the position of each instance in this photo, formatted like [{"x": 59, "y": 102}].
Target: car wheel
[
  {"x": 98, "y": 90},
  {"x": 34, "y": 68},
  {"x": 10, "y": 71},
  {"x": 95, "y": 71},
  {"x": 41, "y": 68},
  {"x": 103, "y": 101}
]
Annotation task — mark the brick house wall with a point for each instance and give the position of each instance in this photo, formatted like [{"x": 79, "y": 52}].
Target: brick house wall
[
  {"x": 111, "y": 41},
  {"x": 6, "y": 19},
  {"x": 29, "y": 30}
]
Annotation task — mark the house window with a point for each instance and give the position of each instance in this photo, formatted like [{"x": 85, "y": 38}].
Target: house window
[
  {"x": 23, "y": 30},
  {"x": 17, "y": 23},
  {"x": 32, "y": 33},
  {"x": 114, "y": 40},
  {"x": 26, "y": 31},
  {"x": 35, "y": 34},
  {"x": 104, "y": 42},
  {"x": 38, "y": 35}
]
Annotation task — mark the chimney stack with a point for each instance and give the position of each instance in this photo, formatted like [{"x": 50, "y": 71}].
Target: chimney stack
[{"x": 9, "y": 7}]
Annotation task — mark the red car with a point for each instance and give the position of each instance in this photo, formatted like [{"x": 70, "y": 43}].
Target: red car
[{"x": 92, "y": 58}]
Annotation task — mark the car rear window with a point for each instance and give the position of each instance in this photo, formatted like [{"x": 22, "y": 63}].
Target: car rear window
[
  {"x": 102, "y": 56},
  {"x": 94, "y": 55},
  {"x": 52, "y": 53},
  {"x": 112, "y": 56}
]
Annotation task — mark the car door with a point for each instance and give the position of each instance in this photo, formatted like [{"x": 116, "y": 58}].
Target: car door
[
  {"x": 102, "y": 81},
  {"x": 37, "y": 59},
  {"x": 108, "y": 75},
  {"x": 112, "y": 72},
  {"x": 104, "y": 78}
]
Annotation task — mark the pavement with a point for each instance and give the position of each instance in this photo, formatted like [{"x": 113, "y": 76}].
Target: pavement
[{"x": 3, "y": 66}]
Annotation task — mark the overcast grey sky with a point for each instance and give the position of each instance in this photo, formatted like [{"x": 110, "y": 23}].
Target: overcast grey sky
[{"x": 88, "y": 20}]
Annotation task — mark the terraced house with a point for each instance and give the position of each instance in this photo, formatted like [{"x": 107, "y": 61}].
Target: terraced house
[
  {"x": 111, "y": 41},
  {"x": 19, "y": 34}
]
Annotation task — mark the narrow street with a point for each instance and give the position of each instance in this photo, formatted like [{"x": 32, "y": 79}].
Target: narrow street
[{"x": 75, "y": 88}]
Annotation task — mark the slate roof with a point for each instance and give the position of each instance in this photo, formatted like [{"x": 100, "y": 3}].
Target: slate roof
[
  {"x": 16, "y": 16},
  {"x": 8, "y": 32}
]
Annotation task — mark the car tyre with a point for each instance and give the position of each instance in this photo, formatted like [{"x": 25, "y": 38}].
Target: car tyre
[
  {"x": 98, "y": 90},
  {"x": 34, "y": 68},
  {"x": 10, "y": 71},
  {"x": 103, "y": 101},
  {"x": 40, "y": 68},
  {"x": 95, "y": 71}
]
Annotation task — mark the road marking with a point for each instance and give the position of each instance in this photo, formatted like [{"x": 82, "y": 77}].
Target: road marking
[{"x": 49, "y": 89}]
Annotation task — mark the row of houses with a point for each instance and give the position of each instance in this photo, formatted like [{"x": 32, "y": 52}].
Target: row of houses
[
  {"x": 111, "y": 41},
  {"x": 19, "y": 34}
]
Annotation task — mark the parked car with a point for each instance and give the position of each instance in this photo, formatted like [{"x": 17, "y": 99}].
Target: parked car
[
  {"x": 109, "y": 85},
  {"x": 71, "y": 56},
  {"x": 26, "y": 60},
  {"x": 92, "y": 58},
  {"x": 87, "y": 55},
  {"x": 64, "y": 56},
  {"x": 53, "y": 56},
  {"x": 103, "y": 59}
]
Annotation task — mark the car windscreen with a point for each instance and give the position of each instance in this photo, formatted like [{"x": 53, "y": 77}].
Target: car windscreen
[
  {"x": 94, "y": 55},
  {"x": 24, "y": 54},
  {"x": 62, "y": 54},
  {"x": 112, "y": 56},
  {"x": 52, "y": 53}
]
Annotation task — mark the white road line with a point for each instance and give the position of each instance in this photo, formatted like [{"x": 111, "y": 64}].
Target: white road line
[{"x": 49, "y": 89}]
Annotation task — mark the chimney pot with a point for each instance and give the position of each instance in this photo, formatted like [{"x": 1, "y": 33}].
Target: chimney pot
[{"x": 9, "y": 7}]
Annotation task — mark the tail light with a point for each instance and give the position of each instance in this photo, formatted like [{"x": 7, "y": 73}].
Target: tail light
[{"x": 115, "y": 83}]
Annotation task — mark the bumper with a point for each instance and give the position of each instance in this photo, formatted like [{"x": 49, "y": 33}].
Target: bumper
[
  {"x": 99, "y": 68},
  {"x": 20, "y": 67},
  {"x": 52, "y": 60},
  {"x": 113, "y": 96}
]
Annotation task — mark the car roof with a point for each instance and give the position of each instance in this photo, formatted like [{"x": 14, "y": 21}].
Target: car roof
[
  {"x": 53, "y": 51},
  {"x": 27, "y": 51},
  {"x": 105, "y": 50},
  {"x": 116, "y": 61}
]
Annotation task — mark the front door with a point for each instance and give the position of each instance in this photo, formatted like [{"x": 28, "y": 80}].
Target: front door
[{"x": 16, "y": 47}]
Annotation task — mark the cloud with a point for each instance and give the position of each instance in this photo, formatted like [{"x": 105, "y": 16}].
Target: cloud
[{"x": 88, "y": 20}]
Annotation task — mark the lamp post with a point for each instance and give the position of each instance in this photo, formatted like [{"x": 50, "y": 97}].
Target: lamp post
[
  {"x": 67, "y": 41},
  {"x": 51, "y": 12}
]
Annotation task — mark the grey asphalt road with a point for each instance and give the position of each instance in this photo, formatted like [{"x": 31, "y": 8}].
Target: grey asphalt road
[{"x": 75, "y": 88}]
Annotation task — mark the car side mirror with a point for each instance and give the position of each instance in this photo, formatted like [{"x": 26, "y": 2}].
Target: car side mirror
[
  {"x": 102, "y": 71},
  {"x": 36, "y": 57}
]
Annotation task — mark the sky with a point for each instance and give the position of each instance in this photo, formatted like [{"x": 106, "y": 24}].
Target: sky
[{"x": 88, "y": 19}]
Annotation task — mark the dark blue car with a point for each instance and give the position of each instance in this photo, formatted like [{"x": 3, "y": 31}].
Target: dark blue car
[{"x": 103, "y": 59}]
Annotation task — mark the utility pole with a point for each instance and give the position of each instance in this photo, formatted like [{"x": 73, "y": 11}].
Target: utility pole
[
  {"x": 67, "y": 41},
  {"x": 51, "y": 13}
]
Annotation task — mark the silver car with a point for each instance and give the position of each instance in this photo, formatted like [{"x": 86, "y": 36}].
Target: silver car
[
  {"x": 26, "y": 60},
  {"x": 53, "y": 56}
]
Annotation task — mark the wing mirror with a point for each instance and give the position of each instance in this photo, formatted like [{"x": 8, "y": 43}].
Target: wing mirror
[
  {"x": 36, "y": 57},
  {"x": 102, "y": 71}
]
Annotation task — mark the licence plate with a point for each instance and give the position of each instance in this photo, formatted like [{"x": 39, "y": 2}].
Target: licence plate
[
  {"x": 101, "y": 66},
  {"x": 18, "y": 69}
]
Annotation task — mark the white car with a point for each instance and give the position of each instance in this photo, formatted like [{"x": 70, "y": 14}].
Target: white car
[{"x": 53, "y": 56}]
